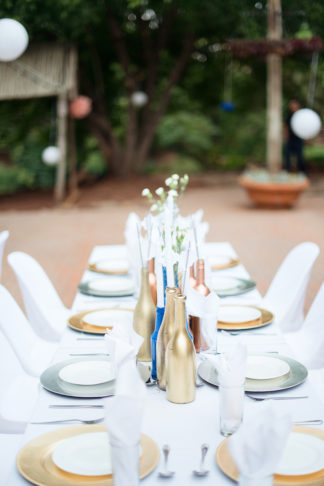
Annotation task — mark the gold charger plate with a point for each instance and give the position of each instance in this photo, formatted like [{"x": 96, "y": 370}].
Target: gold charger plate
[
  {"x": 265, "y": 319},
  {"x": 93, "y": 267},
  {"x": 232, "y": 263},
  {"x": 34, "y": 461},
  {"x": 227, "y": 466},
  {"x": 76, "y": 321}
]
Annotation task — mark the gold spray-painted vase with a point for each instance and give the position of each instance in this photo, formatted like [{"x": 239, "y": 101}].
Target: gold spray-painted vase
[
  {"x": 181, "y": 359},
  {"x": 144, "y": 317},
  {"x": 165, "y": 334}
]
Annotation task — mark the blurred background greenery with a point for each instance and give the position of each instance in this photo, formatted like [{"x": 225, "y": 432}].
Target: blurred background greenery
[{"x": 195, "y": 133}]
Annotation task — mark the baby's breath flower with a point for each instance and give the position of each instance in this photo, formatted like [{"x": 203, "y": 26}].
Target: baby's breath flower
[
  {"x": 154, "y": 207},
  {"x": 168, "y": 181},
  {"x": 173, "y": 193},
  {"x": 159, "y": 191},
  {"x": 175, "y": 177},
  {"x": 186, "y": 178},
  {"x": 146, "y": 192}
]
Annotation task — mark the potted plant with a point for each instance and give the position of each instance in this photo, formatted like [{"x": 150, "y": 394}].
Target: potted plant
[{"x": 274, "y": 187}]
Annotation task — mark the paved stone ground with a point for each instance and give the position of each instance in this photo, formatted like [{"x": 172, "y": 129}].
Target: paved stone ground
[{"x": 62, "y": 238}]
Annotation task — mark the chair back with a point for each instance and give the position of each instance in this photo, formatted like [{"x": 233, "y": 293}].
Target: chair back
[
  {"x": 287, "y": 291},
  {"x": 44, "y": 308},
  {"x": 3, "y": 238}
]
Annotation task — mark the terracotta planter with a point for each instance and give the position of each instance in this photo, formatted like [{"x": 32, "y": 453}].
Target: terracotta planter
[{"x": 273, "y": 194}]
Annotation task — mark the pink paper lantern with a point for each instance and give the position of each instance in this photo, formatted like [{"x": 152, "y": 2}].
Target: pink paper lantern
[{"x": 80, "y": 107}]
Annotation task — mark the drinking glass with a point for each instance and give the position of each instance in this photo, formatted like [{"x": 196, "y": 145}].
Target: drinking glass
[{"x": 231, "y": 408}]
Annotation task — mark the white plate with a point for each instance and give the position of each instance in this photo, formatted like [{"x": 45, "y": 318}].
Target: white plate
[
  {"x": 227, "y": 283},
  {"x": 303, "y": 454},
  {"x": 235, "y": 314},
  {"x": 219, "y": 260},
  {"x": 265, "y": 368},
  {"x": 108, "y": 318},
  {"x": 84, "y": 454},
  {"x": 113, "y": 285},
  {"x": 87, "y": 373},
  {"x": 113, "y": 265}
]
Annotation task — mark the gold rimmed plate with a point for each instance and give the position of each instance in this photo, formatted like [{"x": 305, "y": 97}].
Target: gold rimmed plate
[
  {"x": 111, "y": 266},
  {"x": 265, "y": 319},
  {"x": 77, "y": 322},
  {"x": 227, "y": 466},
  {"x": 35, "y": 463},
  {"x": 297, "y": 375},
  {"x": 221, "y": 262}
]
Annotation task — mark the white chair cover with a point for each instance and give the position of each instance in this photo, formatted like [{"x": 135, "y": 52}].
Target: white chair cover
[
  {"x": 3, "y": 238},
  {"x": 308, "y": 342},
  {"x": 19, "y": 391},
  {"x": 287, "y": 291},
  {"x": 33, "y": 353},
  {"x": 44, "y": 308}
]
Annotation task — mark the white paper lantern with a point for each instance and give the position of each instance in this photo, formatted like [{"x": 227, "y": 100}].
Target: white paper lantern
[
  {"x": 51, "y": 155},
  {"x": 306, "y": 123},
  {"x": 139, "y": 99},
  {"x": 13, "y": 39}
]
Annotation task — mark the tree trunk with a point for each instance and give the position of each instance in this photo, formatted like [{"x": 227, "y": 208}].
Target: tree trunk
[{"x": 274, "y": 91}]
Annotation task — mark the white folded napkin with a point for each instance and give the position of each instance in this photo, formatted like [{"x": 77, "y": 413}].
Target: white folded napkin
[
  {"x": 206, "y": 308},
  {"x": 231, "y": 366},
  {"x": 124, "y": 412},
  {"x": 132, "y": 246},
  {"x": 259, "y": 443}
]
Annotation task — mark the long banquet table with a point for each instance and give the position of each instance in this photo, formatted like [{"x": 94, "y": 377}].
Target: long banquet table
[{"x": 183, "y": 427}]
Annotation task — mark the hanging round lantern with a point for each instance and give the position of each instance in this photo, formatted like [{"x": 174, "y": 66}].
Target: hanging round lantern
[
  {"x": 51, "y": 155},
  {"x": 139, "y": 99},
  {"x": 305, "y": 123},
  {"x": 80, "y": 107},
  {"x": 13, "y": 39}
]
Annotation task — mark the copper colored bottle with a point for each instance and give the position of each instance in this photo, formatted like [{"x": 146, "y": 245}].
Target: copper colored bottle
[
  {"x": 202, "y": 288},
  {"x": 192, "y": 278},
  {"x": 152, "y": 279}
]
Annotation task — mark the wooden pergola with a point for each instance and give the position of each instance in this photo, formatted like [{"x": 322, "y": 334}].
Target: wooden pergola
[{"x": 45, "y": 70}]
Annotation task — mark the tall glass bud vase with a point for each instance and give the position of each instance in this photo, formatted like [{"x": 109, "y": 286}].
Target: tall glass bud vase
[
  {"x": 144, "y": 317},
  {"x": 159, "y": 316},
  {"x": 166, "y": 332},
  {"x": 181, "y": 359}
]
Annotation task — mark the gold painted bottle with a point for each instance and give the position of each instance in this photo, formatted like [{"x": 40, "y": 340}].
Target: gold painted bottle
[
  {"x": 166, "y": 332},
  {"x": 144, "y": 317},
  {"x": 152, "y": 279},
  {"x": 202, "y": 288},
  {"x": 181, "y": 359}
]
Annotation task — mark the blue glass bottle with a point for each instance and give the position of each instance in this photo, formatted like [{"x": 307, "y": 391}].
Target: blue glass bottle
[
  {"x": 161, "y": 283},
  {"x": 158, "y": 322}
]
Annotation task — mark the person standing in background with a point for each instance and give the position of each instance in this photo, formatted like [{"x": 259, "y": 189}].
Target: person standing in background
[{"x": 294, "y": 145}]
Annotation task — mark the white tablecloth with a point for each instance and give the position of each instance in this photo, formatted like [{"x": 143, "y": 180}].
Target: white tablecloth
[{"x": 183, "y": 427}]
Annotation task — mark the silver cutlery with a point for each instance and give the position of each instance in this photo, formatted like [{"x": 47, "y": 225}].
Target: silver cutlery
[
  {"x": 260, "y": 399},
  {"x": 70, "y": 421},
  {"x": 309, "y": 422},
  {"x": 165, "y": 473},
  {"x": 88, "y": 354},
  {"x": 90, "y": 339},
  {"x": 75, "y": 406},
  {"x": 201, "y": 472},
  {"x": 236, "y": 333}
]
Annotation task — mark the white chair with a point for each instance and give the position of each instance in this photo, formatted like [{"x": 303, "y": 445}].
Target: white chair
[
  {"x": 3, "y": 238},
  {"x": 44, "y": 308},
  {"x": 308, "y": 341},
  {"x": 286, "y": 294},
  {"x": 33, "y": 353},
  {"x": 19, "y": 393}
]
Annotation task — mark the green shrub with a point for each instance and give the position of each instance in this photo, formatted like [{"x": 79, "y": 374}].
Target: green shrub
[
  {"x": 95, "y": 164},
  {"x": 13, "y": 178},
  {"x": 186, "y": 132},
  {"x": 174, "y": 163},
  {"x": 314, "y": 153}
]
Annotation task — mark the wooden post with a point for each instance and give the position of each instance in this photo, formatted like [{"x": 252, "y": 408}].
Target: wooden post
[
  {"x": 73, "y": 176},
  {"x": 62, "y": 112},
  {"x": 274, "y": 91}
]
